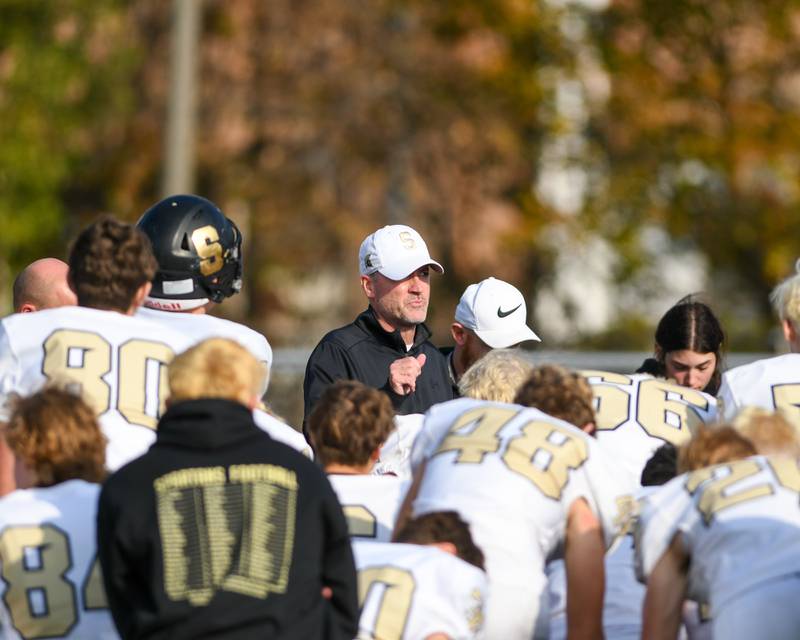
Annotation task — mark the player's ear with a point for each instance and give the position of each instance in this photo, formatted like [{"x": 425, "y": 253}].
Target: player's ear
[
  {"x": 458, "y": 332},
  {"x": 138, "y": 297},
  {"x": 590, "y": 428},
  {"x": 789, "y": 332},
  {"x": 447, "y": 547},
  {"x": 368, "y": 287},
  {"x": 70, "y": 282}
]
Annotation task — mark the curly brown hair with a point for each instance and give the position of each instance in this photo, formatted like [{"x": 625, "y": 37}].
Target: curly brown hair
[
  {"x": 560, "y": 393},
  {"x": 56, "y": 435},
  {"x": 108, "y": 263},
  {"x": 350, "y": 421},
  {"x": 442, "y": 526},
  {"x": 712, "y": 445}
]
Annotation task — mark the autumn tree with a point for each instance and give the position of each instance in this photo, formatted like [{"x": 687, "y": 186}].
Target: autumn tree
[
  {"x": 63, "y": 80},
  {"x": 700, "y": 136},
  {"x": 324, "y": 120},
  {"x": 318, "y": 121}
]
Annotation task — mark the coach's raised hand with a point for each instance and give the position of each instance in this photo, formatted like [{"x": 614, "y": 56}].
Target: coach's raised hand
[{"x": 403, "y": 374}]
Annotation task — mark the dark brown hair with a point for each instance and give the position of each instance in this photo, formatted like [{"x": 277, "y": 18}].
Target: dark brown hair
[
  {"x": 691, "y": 325},
  {"x": 442, "y": 526},
  {"x": 349, "y": 422},
  {"x": 108, "y": 263},
  {"x": 661, "y": 467},
  {"x": 560, "y": 393},
  {"x": 56, "y": 434}
]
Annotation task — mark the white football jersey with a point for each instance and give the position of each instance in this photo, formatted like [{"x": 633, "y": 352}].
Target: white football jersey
[
  {"x": 513, "y": 474},
  {"x": 370, "y": 503},
  {"x": 771, "y": 383},
  {"x": 637, "y": 413},
  {"x": 52, "y": 586},
  {"x": 739, "y": 522},
  {"x": 117, "y": 362},
  {"x": 282, "y": 432},
  {"x": 201, "y": 326},
  {"x": 410, "y": 591},
  {"x": 396, "y": 451}
]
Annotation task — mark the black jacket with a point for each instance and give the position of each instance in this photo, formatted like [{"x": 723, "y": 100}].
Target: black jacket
[
  {"x": 447, "y": 352},
  {"x": 218, "y": 531},
  {"x": 363, "y": 351}
]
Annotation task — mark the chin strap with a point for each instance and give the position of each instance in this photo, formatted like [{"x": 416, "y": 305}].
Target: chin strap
[{"x": 164, "y": 304}]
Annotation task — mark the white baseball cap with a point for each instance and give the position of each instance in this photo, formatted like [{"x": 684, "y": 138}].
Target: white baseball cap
[
  {"x": 396, "y": 251},
  {"x": 496, "y": 312}
]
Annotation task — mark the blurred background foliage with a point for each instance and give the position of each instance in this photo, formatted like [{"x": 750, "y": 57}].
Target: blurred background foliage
[{"x": 607, "y": 159}]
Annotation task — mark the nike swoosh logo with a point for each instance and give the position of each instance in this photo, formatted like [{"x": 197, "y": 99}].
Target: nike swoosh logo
[{"x": 503, "y": 314}]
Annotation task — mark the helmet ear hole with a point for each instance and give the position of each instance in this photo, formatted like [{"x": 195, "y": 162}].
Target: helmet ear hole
[{"x": 185, "y": 242}]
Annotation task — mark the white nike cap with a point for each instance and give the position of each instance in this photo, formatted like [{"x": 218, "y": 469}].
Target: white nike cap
[
  {"x": 496, "y": 312},
  {"x": 396, "y": 251}
]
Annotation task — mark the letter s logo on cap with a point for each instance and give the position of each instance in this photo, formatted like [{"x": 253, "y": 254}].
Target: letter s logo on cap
[{"x": 407, "y": 239}]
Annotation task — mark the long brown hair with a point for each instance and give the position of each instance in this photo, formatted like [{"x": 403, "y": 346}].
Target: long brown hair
[{"x": 691, "y": 325}]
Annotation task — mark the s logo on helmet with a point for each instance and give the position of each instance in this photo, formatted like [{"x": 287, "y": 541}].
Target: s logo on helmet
[{"x": 206, "y": 243}]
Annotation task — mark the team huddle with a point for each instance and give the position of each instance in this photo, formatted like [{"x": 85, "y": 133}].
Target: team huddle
[{"x": 147, "y": 491}]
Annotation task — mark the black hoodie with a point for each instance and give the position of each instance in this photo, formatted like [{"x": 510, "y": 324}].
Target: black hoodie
[{"x": 218, "y": 531}]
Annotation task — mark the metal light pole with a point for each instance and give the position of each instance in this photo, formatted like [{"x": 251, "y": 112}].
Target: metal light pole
[{"x": 179, "y": 152}]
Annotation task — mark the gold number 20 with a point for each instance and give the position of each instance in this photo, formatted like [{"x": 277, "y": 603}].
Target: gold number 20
[{"x": 716, "y": 487}]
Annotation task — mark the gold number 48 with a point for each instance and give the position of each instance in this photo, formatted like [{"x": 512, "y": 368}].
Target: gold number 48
[{"x": 475, "y": 434}]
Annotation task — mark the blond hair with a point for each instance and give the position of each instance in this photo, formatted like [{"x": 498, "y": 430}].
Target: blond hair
[
  {"x": 771, "y": 433},
  {"x": 560, "y": 393},
  {"x": 216, "y": 368},
  {"x": 496, "y": 376},
  {"x": 56, "y": 435},
  {"x": 785, "y": 298}
]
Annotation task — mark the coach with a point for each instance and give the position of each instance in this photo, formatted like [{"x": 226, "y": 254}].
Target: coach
[{"x": 387, "y": 346}]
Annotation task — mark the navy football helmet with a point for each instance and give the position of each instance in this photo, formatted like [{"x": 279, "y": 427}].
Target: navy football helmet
[{"x": 198, "y": 249}]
